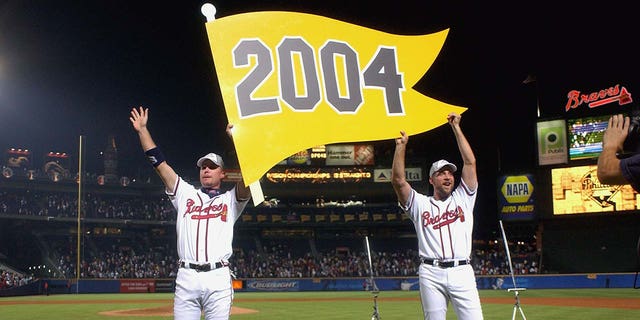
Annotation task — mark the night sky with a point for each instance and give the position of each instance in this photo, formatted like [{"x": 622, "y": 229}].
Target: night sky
[{"x": 71, "y": 68}]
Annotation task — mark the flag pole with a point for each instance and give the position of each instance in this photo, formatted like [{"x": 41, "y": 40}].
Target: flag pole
[{"x": 79, "y": 213}]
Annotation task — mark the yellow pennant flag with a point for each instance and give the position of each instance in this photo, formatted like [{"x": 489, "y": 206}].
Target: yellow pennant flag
[{"x": 291, "y": 81}]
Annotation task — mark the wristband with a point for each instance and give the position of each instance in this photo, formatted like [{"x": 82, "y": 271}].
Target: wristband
[{"x": 155, "y": 156}]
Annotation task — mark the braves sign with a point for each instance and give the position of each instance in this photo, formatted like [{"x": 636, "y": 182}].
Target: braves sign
[
  {"x": 599, "y": 98},
  {"x": 291, "y": 81}
]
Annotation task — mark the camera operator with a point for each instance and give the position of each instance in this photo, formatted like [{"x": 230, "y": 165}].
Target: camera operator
[{"x": 611, "y": 169}]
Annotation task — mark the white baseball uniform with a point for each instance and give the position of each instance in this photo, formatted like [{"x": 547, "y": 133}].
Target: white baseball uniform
[
  {"x": 204, "y": 229},
  {"x": 444, "y": 230}
]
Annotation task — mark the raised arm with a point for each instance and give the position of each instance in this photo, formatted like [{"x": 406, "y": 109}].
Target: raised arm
[
  {"x": 609, "y": 171},
  {"x": 139, "y": 118},
  {"x": 469, "y": 174},
  {"x": 398, "y": 178},
  {"x": 242, "y": 191}
]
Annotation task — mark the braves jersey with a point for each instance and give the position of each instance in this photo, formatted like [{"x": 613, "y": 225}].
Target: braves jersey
[
  {"x": 444, "y": 228},
  {"x": 204, "y": 225}
]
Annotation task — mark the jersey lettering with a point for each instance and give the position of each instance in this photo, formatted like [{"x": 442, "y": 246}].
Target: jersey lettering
[
  {"x": 446, "y": 218},
  {"x": 210, "y": 212}
]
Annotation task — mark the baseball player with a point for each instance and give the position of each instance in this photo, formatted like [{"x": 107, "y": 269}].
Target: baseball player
[
  {"x": 204, "y": 227},
  {"x": 444, "y": 224}
]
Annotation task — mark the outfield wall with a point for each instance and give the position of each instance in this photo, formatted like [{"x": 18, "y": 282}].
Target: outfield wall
[
  {"x": 572, "y": 281},
  {"x": 411, "y": 283}
]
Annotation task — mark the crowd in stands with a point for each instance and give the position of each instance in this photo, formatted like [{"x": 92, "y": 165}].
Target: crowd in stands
[
  {"x": 492, "y": 259},
  {"x": 114, "y": 259},
  {"x": 275, "y": 259},
  {"x": 278, "y": 261},
  {"x": 10, "y": 279},
  {"x": 120, "y": 265},
  {"x": 96, "y": 206}
]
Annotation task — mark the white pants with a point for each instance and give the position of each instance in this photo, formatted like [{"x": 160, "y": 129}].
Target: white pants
[
  {"x": 438, "y": 286},
  {"x": 209, "y": 293}
]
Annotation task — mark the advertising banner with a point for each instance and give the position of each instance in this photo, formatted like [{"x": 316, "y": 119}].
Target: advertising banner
[
  {"x": 165, "y": 285},
  {"x": 319, "y": 175},
  {"x": 349, "y": 155},
  {"x": 516, "y": 197},
  {"x": 137, "y": 285},
  {"x": 384, "y": 175},
  {"x": 552, "y": 142}
]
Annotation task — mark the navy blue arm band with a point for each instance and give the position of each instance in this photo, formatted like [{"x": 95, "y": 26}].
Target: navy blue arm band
[{"x": 155, "y": 156}]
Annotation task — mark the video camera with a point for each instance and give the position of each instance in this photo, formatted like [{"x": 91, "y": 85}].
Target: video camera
[{"x": 632, "y": 142}]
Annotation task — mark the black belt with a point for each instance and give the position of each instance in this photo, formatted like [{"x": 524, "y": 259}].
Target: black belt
[
  {"x": 203, "y": 267},
  {"x": 445, "y": 264}
]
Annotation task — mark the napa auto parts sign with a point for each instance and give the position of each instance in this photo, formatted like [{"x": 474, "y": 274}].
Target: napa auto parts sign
[{"x": 516, "y": 199}]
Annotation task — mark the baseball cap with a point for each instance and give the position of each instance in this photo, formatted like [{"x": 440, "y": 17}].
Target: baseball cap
[
  {"x": 438, "y": 165},
  {"x": 213, "y": 157}
]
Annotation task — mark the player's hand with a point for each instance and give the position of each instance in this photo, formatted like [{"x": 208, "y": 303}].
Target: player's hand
[
  {"x": 616, "y": 132},
  {"x": 230, "y": 130},
  {"x": 403, "y": 138},
  {"x": 139, "y": 118},
  {"x": 454, "y": 119}
]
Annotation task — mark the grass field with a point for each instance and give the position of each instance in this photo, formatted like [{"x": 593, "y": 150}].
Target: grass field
[{"x": 565, "y": 304}]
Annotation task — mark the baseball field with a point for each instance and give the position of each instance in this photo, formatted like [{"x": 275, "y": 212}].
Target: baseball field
[{"x": 565, "y": 304}]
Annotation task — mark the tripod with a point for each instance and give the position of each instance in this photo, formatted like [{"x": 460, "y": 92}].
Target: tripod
[
  {"x": 635, "y": 280},
  {"x": 516, "y": 305},
  {"x": 374, "y": 288},
  {"x": 515, "y": 289},
  {"x": 375, "y": 292}
]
